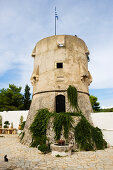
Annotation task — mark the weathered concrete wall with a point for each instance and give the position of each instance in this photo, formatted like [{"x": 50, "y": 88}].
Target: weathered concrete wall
[
  {"x": 49, "y": 81},
  {"x": 75, "y": 72}
]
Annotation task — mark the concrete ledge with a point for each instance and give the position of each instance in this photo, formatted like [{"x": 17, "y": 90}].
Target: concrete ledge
[{"x": 64, "y": 150}]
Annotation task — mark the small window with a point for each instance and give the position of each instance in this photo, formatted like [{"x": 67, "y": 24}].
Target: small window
[
  {"x": 59, "y": 65},
  {"x": 87, "y": 55}
]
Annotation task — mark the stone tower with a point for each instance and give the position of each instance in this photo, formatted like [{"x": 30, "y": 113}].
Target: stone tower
[{"x": 59, "y": 61}]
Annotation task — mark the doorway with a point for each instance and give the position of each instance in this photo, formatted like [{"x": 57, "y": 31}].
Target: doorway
[{"x": 60, "y": 103}]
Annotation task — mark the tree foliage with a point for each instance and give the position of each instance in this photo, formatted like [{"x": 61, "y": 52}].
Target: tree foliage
[
  {"x": 0, "y": 120},
  {"x": 106, "y": 110},
  {"x": 6, "y": 124},
  {"x": 94, "y": 103},
  {"x": 21, "y": 120},
  {"x": 27, "y": 100},
  {"x": 11, "y": 98}
]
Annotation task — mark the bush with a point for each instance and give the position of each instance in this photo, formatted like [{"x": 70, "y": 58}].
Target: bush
[
  {"x": 6, "y": 123},
  {"x": 22, "y": 125},
  {"x": 0, "y": 120},
  {"x": 44, "y": 148},
  {"x": 38, "y": 140}
]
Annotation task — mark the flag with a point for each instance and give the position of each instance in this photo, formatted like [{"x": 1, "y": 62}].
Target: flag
[{"x": 56, "y": 16}]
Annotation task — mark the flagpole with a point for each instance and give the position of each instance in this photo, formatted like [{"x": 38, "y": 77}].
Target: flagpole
[{"x": 55, "y": 20}]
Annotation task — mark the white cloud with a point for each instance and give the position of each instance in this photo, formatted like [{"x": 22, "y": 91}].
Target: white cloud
[{"x": 23, "y": 23}]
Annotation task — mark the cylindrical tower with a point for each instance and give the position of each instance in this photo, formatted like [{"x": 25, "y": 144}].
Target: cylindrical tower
[{"x": 59, "y": 61}]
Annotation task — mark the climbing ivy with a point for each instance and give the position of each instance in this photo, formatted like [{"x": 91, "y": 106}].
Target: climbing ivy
[
  {"x": 21, "y": 135},
  {"x": 73, "y": 97},
  {"x": 39, "y": 126},
  {"x": 86, "y": 136},
  {"x": 62, "y": 121}
]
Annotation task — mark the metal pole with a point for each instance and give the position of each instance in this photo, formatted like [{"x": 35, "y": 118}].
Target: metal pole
[{"x": 55, "y": 20}]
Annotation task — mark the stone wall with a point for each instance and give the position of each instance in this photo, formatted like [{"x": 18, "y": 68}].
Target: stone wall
[
  {"x": 51, "y": 134},
  {"x": 49, "y": 81},
  {"x": 73, "y": 54},
  {"x": 47, "y": 100}
]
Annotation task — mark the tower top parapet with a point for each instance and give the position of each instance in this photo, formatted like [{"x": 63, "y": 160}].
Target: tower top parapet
[{"x": 60, "y": 42}]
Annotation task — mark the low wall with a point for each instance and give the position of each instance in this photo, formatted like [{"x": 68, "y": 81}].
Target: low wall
[
  {"x": 104, "y": 120},
  {"x": 13, "y": 116}
]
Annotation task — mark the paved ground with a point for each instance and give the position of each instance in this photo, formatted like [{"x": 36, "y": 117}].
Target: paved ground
[{"x": 22, "y": 157}]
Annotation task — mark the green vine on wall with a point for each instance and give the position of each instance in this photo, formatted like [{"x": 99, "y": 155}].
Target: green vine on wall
[
  {"x": 39, "y": 126},
  {"x": 73, "y": 97},
  {"x": 21, "y": 135},
  {"x": 86, "y": 136},
  {"x": 62, "y": 121}
]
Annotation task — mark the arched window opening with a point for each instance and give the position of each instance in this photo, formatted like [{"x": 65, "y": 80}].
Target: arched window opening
[{"x": 60, "y": 103}]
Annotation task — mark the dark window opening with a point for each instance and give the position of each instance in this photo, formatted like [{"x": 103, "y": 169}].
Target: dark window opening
[
  {"x": 60, "y": 103},
  {"x": 87, "y": 55},
  {"x": 59, "y": 65}
]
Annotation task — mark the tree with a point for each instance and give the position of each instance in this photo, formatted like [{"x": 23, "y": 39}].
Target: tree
[
  {"x": 11, "y": 98},
  {"x": 106, "y": 110},
  {"x": 94, "y": 103},
  {"x": 0, "y": 120},
  {"x": 27, "y": 100},
  {"x": 6, "y": 124},
  {"x": 21, "y": 119},
  {"x": 11, "y": 124}
]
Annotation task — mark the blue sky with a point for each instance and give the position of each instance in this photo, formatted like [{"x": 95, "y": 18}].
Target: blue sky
[{"x": 24, "y": 22}]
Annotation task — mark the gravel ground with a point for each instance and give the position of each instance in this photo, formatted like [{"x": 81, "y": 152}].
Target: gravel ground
[{"x": 22, "y": 157}]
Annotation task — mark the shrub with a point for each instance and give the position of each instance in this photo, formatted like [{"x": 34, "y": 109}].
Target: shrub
[
  {"x": 12, "y": 125},
  {"x": 0, "y": 120},
  {"x": 22, "y": 125},
  {"x": 58, "y": 155},
  {"x": 6, "y": 123},
  {"x": 44, "y": 148},
  {"x": 21, "y": 120}
]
